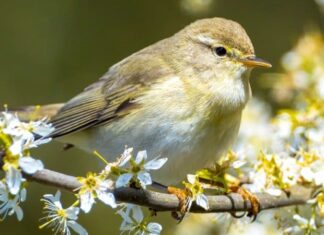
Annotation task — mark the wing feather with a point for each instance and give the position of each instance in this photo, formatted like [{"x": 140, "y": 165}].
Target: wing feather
[
  {"x": 92, "y": 108},
  {"x": 78, "y": 113},
  {"x": 114, "y": 95}
]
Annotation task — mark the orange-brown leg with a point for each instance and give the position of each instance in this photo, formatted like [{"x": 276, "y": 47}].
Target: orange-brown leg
[
  {"x": 248, "y": 196},
  {"x": 185, "y": 201}
]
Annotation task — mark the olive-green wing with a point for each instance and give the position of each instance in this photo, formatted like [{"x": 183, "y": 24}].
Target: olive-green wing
[
  {"x": 92, "y": 108},
  {"x": 114, "y": 95}
]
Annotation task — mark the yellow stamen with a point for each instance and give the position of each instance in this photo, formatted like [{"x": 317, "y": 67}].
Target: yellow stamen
[
  {"x": 101, "y": 157},
  {"x": 61, "y": 213},
  {"x": 47, "y": 223},
  {"x": 76, "y": 203}
]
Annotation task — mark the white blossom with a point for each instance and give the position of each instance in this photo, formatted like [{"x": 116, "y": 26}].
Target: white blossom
[
  {"x": 58, "y": 219},
  {"x": 30, "y": 165},
  {"x": 135, "y": 223},
  {"x": 24, "y": 133},
  {"x": 304, "y": 225},
  {"x": 18, "y": 138},
  {"x": 238, "y": 164},
  {"x": 12, "y": 166},
  {"x": 140, "y": 170},
  {"x": 122, "y": 161},
  {"x": 197, "y": 192},
  {"x": 95, "y": 186},
  {"x": 9, "y": 204},
  {"x": 13, "y": 180}
]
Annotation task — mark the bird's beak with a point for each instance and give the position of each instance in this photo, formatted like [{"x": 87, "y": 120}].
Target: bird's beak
[{"x": 253, "y": 61}]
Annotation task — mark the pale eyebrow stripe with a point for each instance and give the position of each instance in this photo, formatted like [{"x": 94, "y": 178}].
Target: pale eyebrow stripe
[{"x": 205, "y": 39}]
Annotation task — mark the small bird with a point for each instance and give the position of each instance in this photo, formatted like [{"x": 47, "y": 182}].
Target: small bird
[{"x": 180, "y": 98}]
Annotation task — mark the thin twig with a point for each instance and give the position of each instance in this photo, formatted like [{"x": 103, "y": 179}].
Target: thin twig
[{"x": 166, "y": 202}]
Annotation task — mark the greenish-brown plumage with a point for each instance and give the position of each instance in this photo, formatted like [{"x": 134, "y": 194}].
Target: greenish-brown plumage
[
  {"x": 113, "y": 96},
  {"x": 180, "y": 98}
]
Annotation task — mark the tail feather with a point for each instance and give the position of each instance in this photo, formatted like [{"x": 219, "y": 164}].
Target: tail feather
[{"x": 31, "y": 113}]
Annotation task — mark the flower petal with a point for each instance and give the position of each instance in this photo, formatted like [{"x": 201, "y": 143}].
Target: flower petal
[
  {"x": 107, "y": 198},
  {"x": 237, "y": 164},
  {"x": 30, "y": 165},
  {"x": 55, "y": 199},
  {"x": 106, "y": 184},
  {"x": 154, "y": 228},
  {"x": 307, "y": 174},
  {"x": 13, "y": 179},
  {"x": 140, "y": 157},
  {"x": 72, "y": 212},
  {"x": 202, "y": 201},
  {"x": 155, "y": 164},
  {"x": 23, "y": 194},
  {"x": 191, "y": 178},
  {"x": 77, "y": 228},
  {"x": 123, "y": 180},
  {"x": 126, "y": 219},
  {"x": 19, "y": 212},
  {"x": 273, "y": 191},
  {"x": 300, "y": 220},
  {"x": 39, "y": 142},
  {"x": 17, "y": 146},
  {"x": 319, "y": 178},
  {"x": 125, "y": 157},
  {"x": 137, "y": 213},
  {"x": 43, "y": 129},
  {"x": 87, "y": 201},
  {"x": 144, "y": 179},
  {"x": 292, "y": 230}
]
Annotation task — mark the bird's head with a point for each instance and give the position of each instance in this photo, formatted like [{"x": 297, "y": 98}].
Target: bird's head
[
  {"x": 215, "y": 56},
  {"x": 216, "y": 45}
]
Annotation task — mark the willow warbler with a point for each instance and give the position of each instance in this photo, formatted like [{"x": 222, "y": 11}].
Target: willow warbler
[{"x": 180, "y": 98}]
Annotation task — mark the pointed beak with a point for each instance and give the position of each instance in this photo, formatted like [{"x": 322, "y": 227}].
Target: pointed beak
[{"x": 253, "y": 61}]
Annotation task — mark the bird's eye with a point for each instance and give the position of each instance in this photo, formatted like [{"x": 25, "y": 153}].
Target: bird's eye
[{"x": 220, "y": 51}]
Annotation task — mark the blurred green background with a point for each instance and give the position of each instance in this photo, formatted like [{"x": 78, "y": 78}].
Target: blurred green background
[{"x": 51, "y": 50}]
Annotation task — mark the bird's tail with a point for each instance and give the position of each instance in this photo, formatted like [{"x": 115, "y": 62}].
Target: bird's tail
[{"x": 36, "y": 112}]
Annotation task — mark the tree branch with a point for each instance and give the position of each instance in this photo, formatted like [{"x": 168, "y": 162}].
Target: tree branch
[{"x": 167, "y": 202}]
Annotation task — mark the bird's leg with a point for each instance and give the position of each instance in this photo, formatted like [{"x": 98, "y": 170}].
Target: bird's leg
[
  {"x": 184, "y": 196},
  {"x": 185, "y": 201},
  {"x": 247, "y": 196}
]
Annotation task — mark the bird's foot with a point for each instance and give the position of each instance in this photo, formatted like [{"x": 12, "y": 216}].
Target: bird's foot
[
  {"x": 185, "y": 201},
  {"x": 248, "y": 196}
]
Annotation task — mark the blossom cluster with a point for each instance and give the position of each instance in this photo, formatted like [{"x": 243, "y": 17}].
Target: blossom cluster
[
  {"x": 303, "y": 77},
  {"x": 291, "y": 157},
  {"x": 287, "y": 152},
  {"x": 16, "y": 140},
  {"x": 125, "y": 171},
  {"x": 134, "y": 221}
]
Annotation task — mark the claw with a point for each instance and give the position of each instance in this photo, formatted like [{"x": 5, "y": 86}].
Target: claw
[
  {"x": 185, "y": 202},
  {"x": 255, "y": 204},
  {"x": 233, "y": 214}
]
